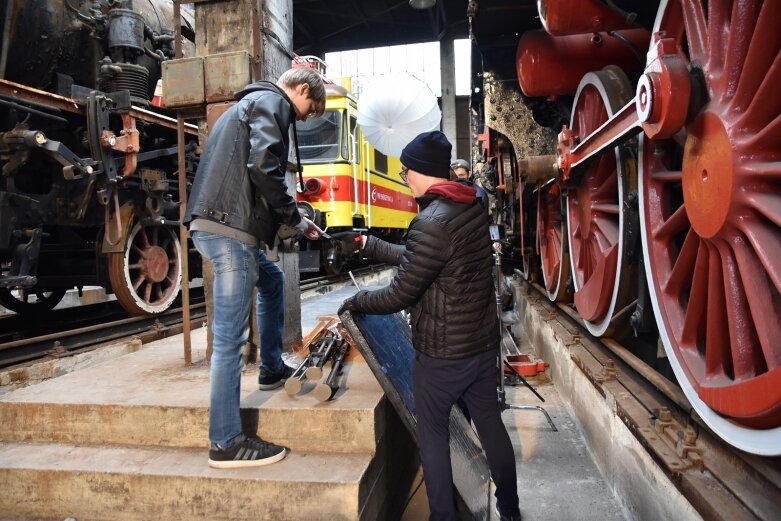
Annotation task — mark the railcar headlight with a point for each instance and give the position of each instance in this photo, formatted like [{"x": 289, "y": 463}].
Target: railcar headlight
[{"x": 313, "y": 186}]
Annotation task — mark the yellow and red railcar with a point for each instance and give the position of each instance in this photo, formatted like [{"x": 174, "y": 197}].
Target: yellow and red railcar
[{"x": 348, "y": 184}]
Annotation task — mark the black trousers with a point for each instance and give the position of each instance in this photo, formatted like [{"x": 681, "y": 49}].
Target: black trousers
[{"x": 437, "y": 385}]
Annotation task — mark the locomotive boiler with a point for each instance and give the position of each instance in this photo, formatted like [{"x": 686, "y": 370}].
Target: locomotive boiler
[
  {"x": 88, "y": 179},
  {"x": 655, "y": 208}
]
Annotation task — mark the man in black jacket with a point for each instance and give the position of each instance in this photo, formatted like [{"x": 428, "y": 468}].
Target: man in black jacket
[
  {"x": 238, "y": 201},
  {"x": 445, "y": 277}
]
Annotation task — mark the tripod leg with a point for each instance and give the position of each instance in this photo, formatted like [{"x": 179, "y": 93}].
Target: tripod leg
[
  {"x": 535, "y": 408},
  {"x": 523, "y": 380}
]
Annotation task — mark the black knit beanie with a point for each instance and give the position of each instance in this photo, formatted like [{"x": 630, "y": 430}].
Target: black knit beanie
[{"x": 429, "y": 154}]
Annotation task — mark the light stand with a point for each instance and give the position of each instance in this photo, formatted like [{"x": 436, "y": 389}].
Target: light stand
[{"x": 502, "y": 359}]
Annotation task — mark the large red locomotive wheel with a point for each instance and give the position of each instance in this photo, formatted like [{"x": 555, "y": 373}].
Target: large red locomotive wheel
[
  {"x": 711, "y": 221},
  {"x": 595, "y": 221},
  {"x": 550, "y": 242},
  {"x": 147, "y": 276}
]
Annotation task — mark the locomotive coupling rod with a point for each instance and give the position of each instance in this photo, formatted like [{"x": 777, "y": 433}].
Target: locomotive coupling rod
[{"x": 660, "y": 108}]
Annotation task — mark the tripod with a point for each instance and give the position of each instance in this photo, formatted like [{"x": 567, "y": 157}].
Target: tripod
[{"x": 502, "y": 359}]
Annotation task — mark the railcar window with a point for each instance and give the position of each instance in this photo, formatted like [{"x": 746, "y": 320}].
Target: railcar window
[
  {"x": 345, "y": 142},
  {"x": 318, "y": 138},
  {"x": 380, "y": 162},
  {"x": 354, "y": 134}
]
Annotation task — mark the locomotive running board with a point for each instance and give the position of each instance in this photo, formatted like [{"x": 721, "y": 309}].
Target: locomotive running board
[{"x": 386, "y": 345}]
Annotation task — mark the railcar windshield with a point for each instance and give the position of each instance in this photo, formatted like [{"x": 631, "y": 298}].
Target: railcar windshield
[{"x": 318, "y": 138}]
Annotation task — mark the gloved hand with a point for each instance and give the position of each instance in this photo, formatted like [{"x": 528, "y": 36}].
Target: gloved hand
[
  {"x": 351, "y": 304},
  {"x": 352, "y": 242}
]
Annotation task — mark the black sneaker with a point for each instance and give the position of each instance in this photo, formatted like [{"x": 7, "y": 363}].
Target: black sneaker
[
  {"x": 245, "y": 452},
  {"x": 508, "y": 517},
  {"x": 268, "y": 381}
]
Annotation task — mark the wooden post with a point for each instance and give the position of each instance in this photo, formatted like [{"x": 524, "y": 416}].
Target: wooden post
[{"x": 183, "y": 234}]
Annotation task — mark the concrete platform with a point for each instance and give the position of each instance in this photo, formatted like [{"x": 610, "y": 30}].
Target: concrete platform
[
  {"x": 55, "y": 481},
  {"x": 150, "y": 398},
  {"x": 126, "y": 439}
]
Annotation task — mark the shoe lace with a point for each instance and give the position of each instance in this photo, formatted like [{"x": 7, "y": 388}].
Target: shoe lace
[{"x": 256, "y": 443}]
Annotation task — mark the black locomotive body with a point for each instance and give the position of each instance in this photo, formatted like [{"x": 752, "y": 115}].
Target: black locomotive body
[{"x": 88, "y": 165}]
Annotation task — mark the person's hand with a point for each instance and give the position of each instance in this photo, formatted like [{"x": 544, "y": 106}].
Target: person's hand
[
  {"x": 312, "y": 232},
  {"x": 352, "y": 242},
  {"x": 351, "y": 304}
]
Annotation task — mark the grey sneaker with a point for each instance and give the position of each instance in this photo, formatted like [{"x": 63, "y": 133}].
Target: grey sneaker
[
  {"x": 268, "y": 381},
  {"x": 245, "y": 452}
]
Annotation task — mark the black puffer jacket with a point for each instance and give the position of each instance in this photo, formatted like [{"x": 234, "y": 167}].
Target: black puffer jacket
[
  {"x": 240, "y": 183},
  {"x": 444, "y": 275}
]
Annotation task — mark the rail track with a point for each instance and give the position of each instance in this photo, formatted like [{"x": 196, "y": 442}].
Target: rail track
[
  {"x": 720, "y": 481},
  {"x": 68, "y": 331}
]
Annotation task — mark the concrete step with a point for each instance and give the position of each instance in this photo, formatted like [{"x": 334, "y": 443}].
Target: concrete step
[
  {"x": 149, "y": 398},
  {"x": 56, "y": 481}
]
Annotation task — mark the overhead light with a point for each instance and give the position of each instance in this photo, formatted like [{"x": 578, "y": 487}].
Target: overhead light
[{"x": 422, "y": 4}]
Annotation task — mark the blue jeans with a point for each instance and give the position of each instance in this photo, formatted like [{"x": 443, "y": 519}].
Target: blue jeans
[
  {"x": 236, "y": 266},
  {"x": 270, "y": 311}
]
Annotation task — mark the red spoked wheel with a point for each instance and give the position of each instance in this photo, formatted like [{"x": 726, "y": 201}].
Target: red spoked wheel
[
  {"x": 550, "y": 241},
  {"x": 711, "y": 221},
  {"x": 147, "y": 276},
  {"x": 595, "y": 220}
]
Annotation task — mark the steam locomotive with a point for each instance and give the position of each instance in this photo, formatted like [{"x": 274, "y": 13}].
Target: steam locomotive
[
  {"x": 88, "y": 183},
  {"x": 653, "y": 206}
]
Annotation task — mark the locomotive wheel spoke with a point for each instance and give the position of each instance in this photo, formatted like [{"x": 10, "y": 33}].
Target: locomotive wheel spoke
[
  {"x": 683, "y": 266},
  {"x": 766, "y": 243},
  {"x": 744, "y": 16},
  {"x": 767, "y": 136},
  {"x": 695, "y": 318},
  {"x": 765, "y": 42},
  {"x": 760, "y": 298},
  {"x": 717, "y": 341},
  {"x": 674, "y": 225},
  {"x": 694, "y": 20},
  {"x": 741, "y": 332},
  {"x": 765, "y": 104},
  {"x": 710, "y": 206}
]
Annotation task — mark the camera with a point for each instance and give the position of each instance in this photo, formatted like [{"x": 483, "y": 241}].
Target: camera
[{"x": 496, "y": 231}]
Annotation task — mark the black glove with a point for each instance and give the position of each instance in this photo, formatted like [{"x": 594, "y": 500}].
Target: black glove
[
  {"x": 351, "y": 304},
  {"x": 351, "y": 241}
]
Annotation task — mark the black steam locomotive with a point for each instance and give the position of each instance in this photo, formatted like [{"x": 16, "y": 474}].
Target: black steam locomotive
[{"x": 88, "y": 164}]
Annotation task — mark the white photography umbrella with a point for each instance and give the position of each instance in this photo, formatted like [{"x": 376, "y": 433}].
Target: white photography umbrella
[{"x": 392, "y": 110}]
